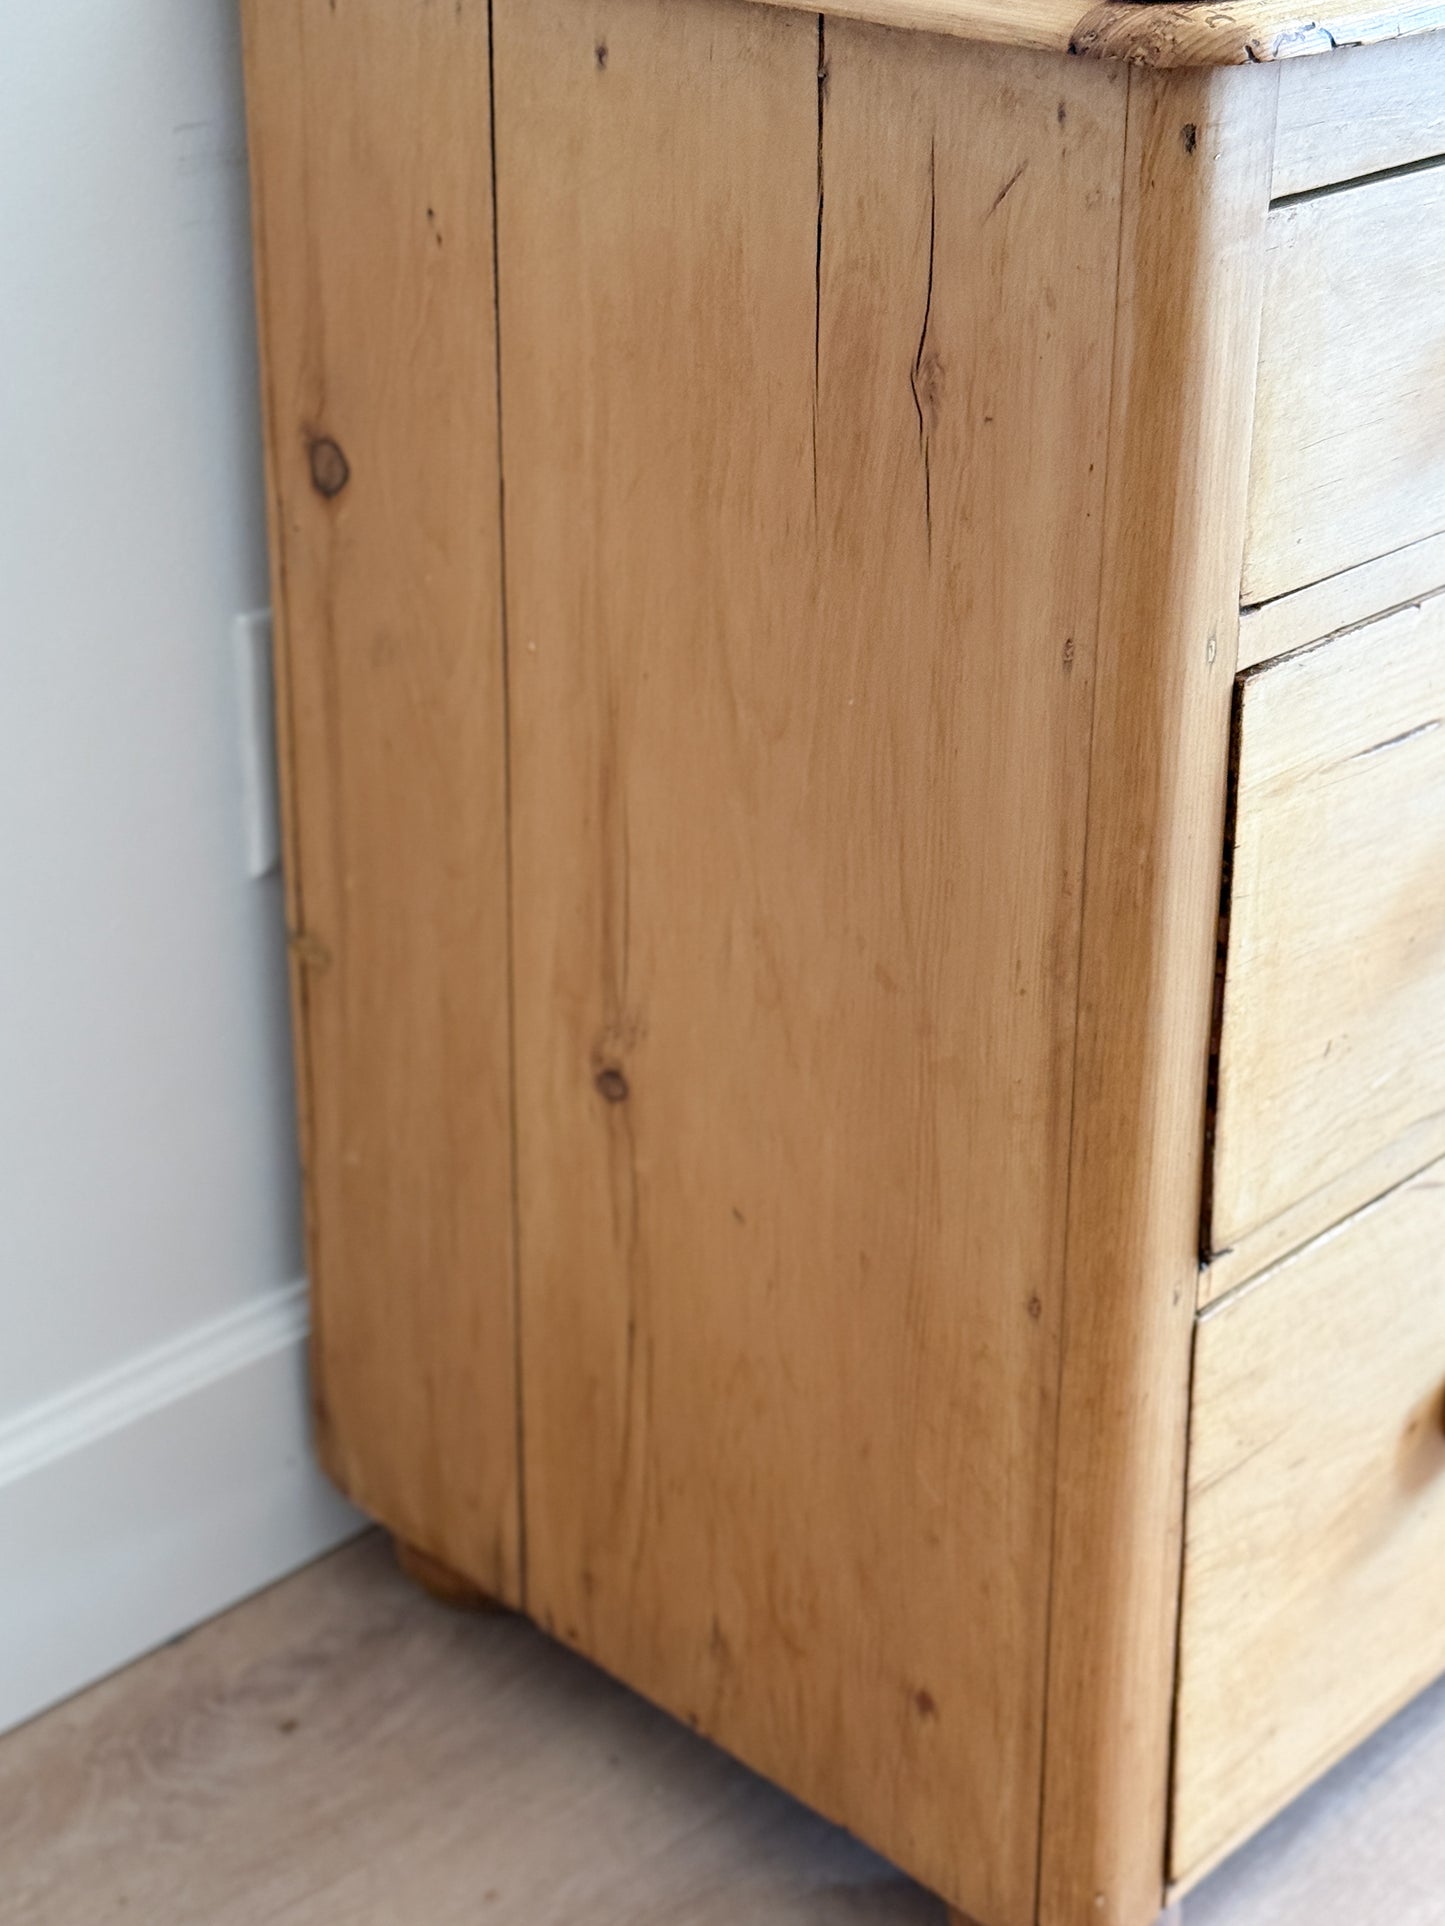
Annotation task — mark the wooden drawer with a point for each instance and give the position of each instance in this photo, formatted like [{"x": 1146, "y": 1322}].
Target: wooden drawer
[
  {"x": 1349, "y": 444},
  {"x": 1331, "y": 1044},
  {"x": 1359, "y": 112},
  {"x": 1314, "y": 1589}
]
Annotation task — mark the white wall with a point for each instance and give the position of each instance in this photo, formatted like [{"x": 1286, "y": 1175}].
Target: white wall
[{"x": 149, "y": 1222}]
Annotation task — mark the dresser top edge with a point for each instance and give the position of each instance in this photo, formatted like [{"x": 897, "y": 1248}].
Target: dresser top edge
[{"x": 1150, "y": 33}]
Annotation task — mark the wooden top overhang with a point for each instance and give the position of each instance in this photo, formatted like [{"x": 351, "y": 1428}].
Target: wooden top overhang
[{"x": 1189, "y": 33}]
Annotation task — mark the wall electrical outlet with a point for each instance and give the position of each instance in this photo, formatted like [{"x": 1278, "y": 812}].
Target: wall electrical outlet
[{"x": 256, "y": 713}]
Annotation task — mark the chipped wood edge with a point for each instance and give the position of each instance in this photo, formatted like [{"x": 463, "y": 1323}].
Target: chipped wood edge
[{"x": 1240, "y": 32}]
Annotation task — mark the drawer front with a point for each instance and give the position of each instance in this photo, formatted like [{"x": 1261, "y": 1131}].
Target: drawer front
[
  {"x": 1314, "y": 1587},
  {"x": 1359, "y": 112},
  {"x": 1332, "y": 1027},
  {"x": 1349, "y": 443}
]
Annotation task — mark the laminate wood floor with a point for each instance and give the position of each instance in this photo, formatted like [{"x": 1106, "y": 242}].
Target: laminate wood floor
[{"x": 341, "y": 1749}]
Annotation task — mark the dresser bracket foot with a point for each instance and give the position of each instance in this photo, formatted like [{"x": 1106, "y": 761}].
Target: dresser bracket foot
[{"x": 440, "y": 1582}]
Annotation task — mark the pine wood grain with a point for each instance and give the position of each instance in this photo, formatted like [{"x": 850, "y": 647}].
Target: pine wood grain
[
  {"x": 1330, "y": 1045},
  {"x": 1316, "y": 1525},
  {"x": 1196, "y": 193},
  {"x": 374, "y": 257},
  {"x": 1349, "y": 443},
  {"x": 800, "y": 768}
]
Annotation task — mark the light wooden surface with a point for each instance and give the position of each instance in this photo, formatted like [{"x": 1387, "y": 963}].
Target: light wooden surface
[
  {"x": 1360, "y": 112},
  {"x": 1196, "y": 190},
  {"x": 341, "y": 1749},
  {"x": 1377, "y": 1171},
  {"x": 1342, "y": 601},
  {"x": 1331, "y": 1045},
  {"x": 1227, "y": 33},
  {"x": 1316, "y": 1522},
  {"x": 1349, "y": 444},
  {"x": 799, "y": 781},
  {"x": 374, "y": 257}
]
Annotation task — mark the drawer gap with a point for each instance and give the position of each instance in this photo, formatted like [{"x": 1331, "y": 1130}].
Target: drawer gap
[
  {"x": 1221, "y": 965},
  {"x": 1356, "y": 181}
]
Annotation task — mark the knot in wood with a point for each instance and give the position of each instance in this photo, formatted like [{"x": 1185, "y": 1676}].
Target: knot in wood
[
  {"x": 330, "y": 470},
  {"x": 612, "y": 1084}
]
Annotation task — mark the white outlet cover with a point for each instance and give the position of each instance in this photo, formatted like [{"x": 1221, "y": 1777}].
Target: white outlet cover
[{"x": 256, "y": 717}]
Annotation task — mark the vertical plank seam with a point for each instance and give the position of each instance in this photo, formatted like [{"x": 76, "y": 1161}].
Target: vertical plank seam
[
  {"x": 511, "y": 1067},
  {"x": 1110, "y": 481}
]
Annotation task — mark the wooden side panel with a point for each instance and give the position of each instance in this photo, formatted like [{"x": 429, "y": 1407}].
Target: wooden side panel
[
  {"x": 1349, "y": 443},
  {"x": 1196, "y": 192},
  {"x": 374, "y": 251},
  {"x": 1359, "y": 112},
  {"x": 1332, "y": 1037},
  {"x": 806, "y": 396},
  {"x": 1316, "y": 1538}
]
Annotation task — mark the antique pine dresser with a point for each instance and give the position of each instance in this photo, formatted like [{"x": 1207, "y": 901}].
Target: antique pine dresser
[{"x": 862, "y": 680}]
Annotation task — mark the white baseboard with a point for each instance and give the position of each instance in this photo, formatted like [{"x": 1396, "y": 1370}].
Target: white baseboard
[{"x": 155, "y": 1496}]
